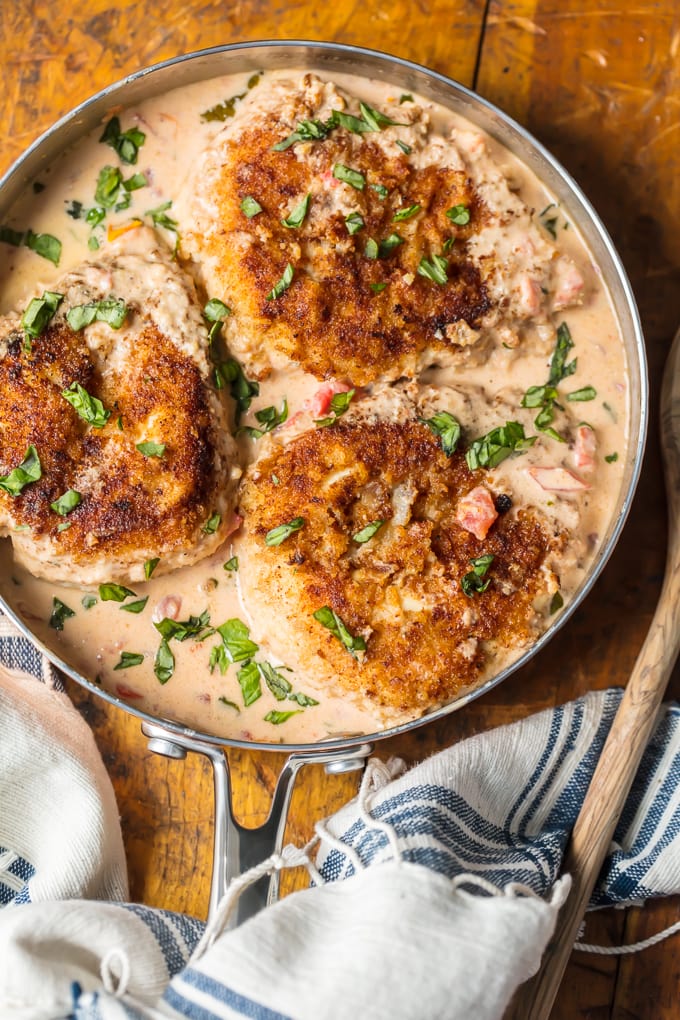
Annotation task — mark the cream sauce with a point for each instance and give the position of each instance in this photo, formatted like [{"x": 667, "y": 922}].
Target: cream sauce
[{"x": 92, "y": 641}]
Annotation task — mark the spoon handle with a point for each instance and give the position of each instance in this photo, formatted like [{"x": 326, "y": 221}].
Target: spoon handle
[{"x": 628, "y": 737}]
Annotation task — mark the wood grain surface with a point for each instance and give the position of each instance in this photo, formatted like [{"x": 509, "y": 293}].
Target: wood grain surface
[{"x": 598, "y": 84}]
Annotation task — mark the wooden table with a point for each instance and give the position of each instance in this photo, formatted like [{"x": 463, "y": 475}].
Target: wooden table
[{"x": 600, "y": 86}]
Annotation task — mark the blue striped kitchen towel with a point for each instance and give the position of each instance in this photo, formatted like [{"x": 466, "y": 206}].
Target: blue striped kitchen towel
[{"x": 433, "y": 893}]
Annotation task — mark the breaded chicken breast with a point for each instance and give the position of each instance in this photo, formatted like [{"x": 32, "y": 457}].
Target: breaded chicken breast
[
  {"x": 114, "y": 449},
  {"x": 359, "y": 243},
  {"x": 382, "y": 565}
]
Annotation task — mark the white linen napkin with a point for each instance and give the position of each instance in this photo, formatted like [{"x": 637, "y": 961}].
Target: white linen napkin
[{"x": 435, "y": 892}]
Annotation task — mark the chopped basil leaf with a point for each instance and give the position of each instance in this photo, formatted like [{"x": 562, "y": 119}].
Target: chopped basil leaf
[
  {"x": 269, "y": 418},
  {"x": 472, "y": 583},
  {"x": 30, "y": 470},
  {"x": 250, "y": 207},
  {"x": 405, "y": 213},
  {"x": 236, "y": 638},
  {"x": 368, "y": 532},
  {"x": 13, "y": 237},
  {"x": 38, "y": 187},
  {"x": 222, "y": 111},
  {"x": 279, "y": 717},
  {"x": 45, "y": 245},
  {"x": 279, "y": 534},
  {"x": 88, "y": 601},
  {"x": 283, "y": 284},
  {"x": 230, "y": 704},
  {"x": 297, "y": 216},
  {"x": 434, "y": 269},
  {"x": 74, "y": 210},
  {"x": 377, "y": 287},
  {"x": 64, "y": 526},
  {"x": 611, "y": 458},
  {"x": 354, "y": 222},
  {"x": 380, "y": 190},
  {"x": 585, "y": 393},
  {"x": 275, "y": 480},
  {"x": 135, "y": 182},
  {"x": 108, "y": 185},
  {"x": 197, "y": 627},
  {"x": 406, "y": 97},
  {"x": 248, "y": 677},
  {"x": 164, "y": 663},
  {"x": 114, "y": 592},
  {"x": 135, "y": 607},
  {"x": 151, "y": 449},
  {"x": 610, "y": 411},
  {"x": 488, "y": 451},
  {"x": 388, "y": 244},
  {"x": 216, "y": 310},
  {"x": 231, "y": 564},
  {"x": 448, "y": 245},
  {"x": 66, "y": 503},
  {"x": 345, "y": 174},
  {"x": 330, "y": 619},
  {"x": 90, "y": 409},
  {"x": 125, "y": 143},
  {"x": 129, "y": 659},
  {"x": 60, "y": 613},
  {"x": 276, "y": 682},
  {"x": 556, "y": 602},
  {"x": 303, "y": 700},
  {"x": 218, "y": 657},
  {"x": 112, "y": 311},
  {"x": 307, "y": 131},
  {"x": 160, "y": 219},
  {"x": 95, "y": 216},
  {"x": 375, "y": 119},
  {"x": 92, "y": 243},
  {"x": 538, "y": 396},
  {"x": 212, "y": 524},
  {"x": 242, "y": 389},
  {"x": 150, "y": 566},
  {"x": 350, "y": 122},
  {"x": 40, "y": 312},
  {"x": 371, "y": 249},
  {"x": 446, "y": 427},
  {"x": 559, "y": 369},
  {"x": 459, "y": 214},
  {"x": 404, "y": 147},
  {"x": 339, "y": 404}
]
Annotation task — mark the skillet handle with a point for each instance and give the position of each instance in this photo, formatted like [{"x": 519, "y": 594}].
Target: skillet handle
[{"x": 236, "y": 848}]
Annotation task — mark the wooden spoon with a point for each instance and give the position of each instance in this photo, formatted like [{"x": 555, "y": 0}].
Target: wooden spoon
[{"x": 631, "y": 730}]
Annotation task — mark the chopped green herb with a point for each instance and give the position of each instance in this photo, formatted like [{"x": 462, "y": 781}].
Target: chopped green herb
[
  {"x": 556, "y": 602},
  {"x": 611, "y": 458},
  {"x": 328, "y": 618},
  {"x": 38, "y": 187},
  {"x": 354, "y": 222},
  {"x": 585, "y": 393},
  {"x": 339, "y": 405},
  {"x": 231, "y": 564},
  {"x": 216, "y": 310},
  {"x": 375, "y": 119},
  {"x": 538, "y": 396},
  {"x": 125, "y": 143},
  {"x": 404, "y": 147},
  {"x": 459, "y": 214},
  {"x": 297, "y": 216},
  {"x": 371, "y": 249},
  {"x": 380, "y": 190},
  {"x": 446, "y": 427},
  {"x": 406, "y": 212},
  {"x": 307, "y": 131},
  {"x": 283, "y": 531},
  {"x": 236, "y": 638},
  {"x": 279, "y": 717},
  {"x": 151, "y": 449},
  {"x": 60, "y": 613},
  {"x": 377, "y": 288},
  {"x": 406, "y": 97},
  {"x": 242, "y": 389},
  {"x": 350, "y": 122},
  {"x": 150, "y": 566},
  {"x": 367, "y": 532},
  {"x": 275, "y": 480},
  {"x": 95, "y": 216},
  {"x": 111, "y": 310},
  {"x": 114, "y": 592},
  {"x": 345, "y": 174},
  {"x": 45, "y": 245},
  {"x": 230, "y": 704},
  {"x": 64, "y": 526},
  {"x": 434, "y": 269},
  {"x": 269, "y": 418},
  {"x": 248, "y": 677},
  {"x": 473, "y": 582},
  {"x": 164, "y": 663},
  {"x": 30, "y": 470},
  {"x": 90, "y": 409},
  {"x": 160, "y": 219},
  {"x": 66, "y": 503},
  {"x": 196, "y": 627},
  {"x": 488, "y": 451},
  {"x": 135, "y": 607},
  {"x": 250, "y": 207},
  {"x": 129, "y": 659},
  {"x": 283, "y": 284},
  {"x": 40, "y": 312},
  {"x": 135, "y": 182},
  {"x": 278, "y": 684},
  {"x": 551, "y": 226},
  {"x": 74, "y": 210},
  {"x": 212, "y": 524},
  {"x": 13, "y": 237},
  {"x": 108, "y": 185},
  {"x": 559, "y": 369},
  {"x": 303, "y": 700},
  {"x": 448, "y": 245},
  {"x": 388, "y": 245},
  {"x": 88, "y": 601},
  {"x": 610, "y": 411}
]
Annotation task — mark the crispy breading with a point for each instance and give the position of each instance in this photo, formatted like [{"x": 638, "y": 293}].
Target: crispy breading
[
  {"x": 133, "y": 507},
  {"x": 401, "y": 590}
]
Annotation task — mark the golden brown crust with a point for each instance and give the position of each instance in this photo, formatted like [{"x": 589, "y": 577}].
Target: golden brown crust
[{"x": 401, "y": 590}]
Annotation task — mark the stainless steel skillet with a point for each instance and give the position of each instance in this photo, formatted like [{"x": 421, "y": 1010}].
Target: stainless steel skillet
[{"x": 237, "y": 848}]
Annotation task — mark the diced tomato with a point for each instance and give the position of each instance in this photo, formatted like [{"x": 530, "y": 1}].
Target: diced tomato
[
  {"x": 585, "y": 447},
  {"x": 320, "y": 403},
  {"x": 557, "y": 479},
  {"x": 476, "y": 512},
  {"x": 328, "y": 177},
  {"x": 123, "y": 691}
]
